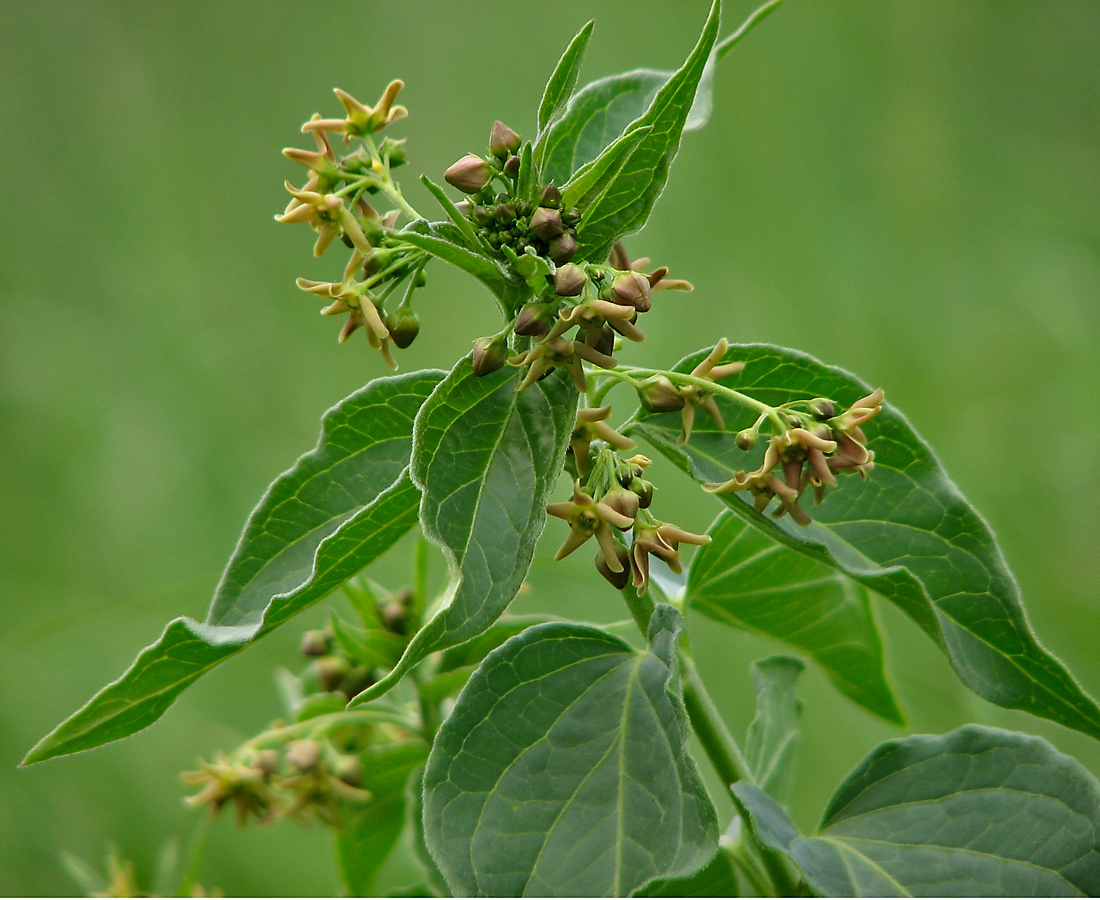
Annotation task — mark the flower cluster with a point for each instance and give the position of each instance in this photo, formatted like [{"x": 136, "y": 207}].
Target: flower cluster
[
  {"x": 614, "y": 499},
  {"x": 818, "y": 444},
  {"x": 335, "y": 203}
]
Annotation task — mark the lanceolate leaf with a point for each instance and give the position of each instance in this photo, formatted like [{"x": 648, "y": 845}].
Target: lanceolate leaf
[
  {"x": 486, "y": 457},
  {"x": 337, "y": 510},
  {"x": 562, "y": 769},
  {"x": 563, "y": 80},
  {"x": 445, "y": 241},
  {"x": 906, "y": 533},
  {"x": 747, "y": 580},
  {"x": 773, "y": 734},
  {"x": 977, "y": 812},
  {"x": 627, "y": 202},
  {"x": 604, "y": 110},
  {"x": 370, "y": 831}
]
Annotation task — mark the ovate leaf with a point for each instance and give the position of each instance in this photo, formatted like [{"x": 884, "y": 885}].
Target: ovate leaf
[
  {"x": 340, "y": 507},
  {"x": 746, "y": 579},
  {"x": 626, "y": 203},
  {"x": 977, "y": 812},
  {"x": 563, "y": 80},
  {"x": 486, "y": 457},
  {"x": 562, "y": 769},
  {"x": 370, "y": 831},
  {"x": 773, "y": 733},
  {"x": 434, "y": 882},
  {"x": 907, "y": 533}
]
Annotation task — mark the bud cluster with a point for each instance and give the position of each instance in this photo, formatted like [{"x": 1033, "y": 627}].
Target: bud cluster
[
  {"x": 613, "y": 499},
  {"x": 335, "y": 202},
  {"x": 817, "y": 444}
]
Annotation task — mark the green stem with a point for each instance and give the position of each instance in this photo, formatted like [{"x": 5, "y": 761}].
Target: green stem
[
  {"x": 706, "y": 722},
  {"x": 745, "y": 861},
  {"x": 641, "y": 608},
  {"x": 322, "y": 724}
]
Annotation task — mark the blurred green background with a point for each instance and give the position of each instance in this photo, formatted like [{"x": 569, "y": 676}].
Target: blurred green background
[{"x": 907, "y": 189}]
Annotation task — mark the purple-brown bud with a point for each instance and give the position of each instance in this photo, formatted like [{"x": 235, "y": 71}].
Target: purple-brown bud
[
  {"x": 746, "y": 439},
  {"x": 403, "y": 325},
  {"x": 331, "y": 671},
  {"x": 502, "y": 140},
  {"x": 511, "y": 166},
  {"x": 534, "y": 320},
  {"x": 315, "y": 643},
  {"x": 822, "y": 408},
  {"x": 550, "y": 196},
  {"x": 546, "y": 224},
  {"x": 489, "y": 354},
  {"x": 632, "y": 289},
  {"x": 304, "y": 755},
  {"x": 619, "y": 579},
  {"x": 659, "y": 395},
  {"x": 563, "y": 247},
  {"x": 470, "y": 174},
  {"x": 569, "y": 281}
]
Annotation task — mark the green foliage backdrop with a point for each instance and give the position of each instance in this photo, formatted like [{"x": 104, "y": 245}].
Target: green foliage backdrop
[{"x": 910, "y": 191}]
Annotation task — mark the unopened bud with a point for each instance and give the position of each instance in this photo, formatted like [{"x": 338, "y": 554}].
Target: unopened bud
[
  {"x": 550, "y": 196},
  {"x": 644, "y": 490},
  {"x": 395, "y": 617},
  {"x": 315, "y": 643},
  {"x": 822, "y": 408},
  {"x": 464, "y": 207},
  {"x": 482, "y": 215},
  {"x": 502, "y": 140},
  {"x": 489, "y": 354},
  {"x": 746, "y": 439},
  {"x": 403, "y": 325},
  {"x": 571, "y": 217},
  {"x": 623, "y": 501},
  {"x": 617, "y": 580},
  {"x": 331, "y": 671},
  {"x": 534, "y": 319},
  {"x": 605, "y": 343},
  {"x": 470, "y": 174},
  {"x": 658, "y": 395},
  {"x": 349, "y": 770},
  {"x": 569, "y": 281},
  {"x": 395, "y": 150},
  {"x": 267, "y": 761},
  {"x": 304, "y": 755},
  {"x": 511, "y": 166},
  {"x": 546, "y": 223},
  {"x": 505, "y": 214},
  {"x": 632, "y": 289},
  {"x": 562, "y": 248}
]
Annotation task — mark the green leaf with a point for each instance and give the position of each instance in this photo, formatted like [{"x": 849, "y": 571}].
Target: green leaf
[
  {"x": 374, "y": 647},
  {"x": 338, "y": 509},
  {"x": 717, "y": 879},
  {"x": 486, "y": 457},
  {"x": 562, "y": 769},
  {"x": 978, "y": 811},
  {"x": 603, "y": 111},
  {"x": 371, "y": 830},
  {"x": 773, "y": 733},
  {"x": 563, "y": 80},
  {"x": 434, "y": 881},
  {"x": 745, "y": 579},
  {"x": 627, "y": 202},
  {"x": 595, "y": 178},
  {"x": 446, "y": 242},
  {"x": 907, "y": 533},
  {"x": 474, "y": 651}
]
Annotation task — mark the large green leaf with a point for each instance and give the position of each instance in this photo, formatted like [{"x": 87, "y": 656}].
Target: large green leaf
[
  {"x": 445, "y": 241},
  {"x": 717, "y": 879},
  {"x": 773, "y": 733},
  {"x": 370, "y": 831},
  {"x": 434, "y": 881},
  {"x": 338, "y": 509},
  {"x": 977, "y": 812},
  {"x": 486, "y": 457},
  {"x": 562, "y": 81},
  {"x": 626, "y": 203},
  {"x": 907, "y": 533},
  {"x": 604, "y": 110},
  {"x": 562, "y": 769},
  {"x": 745, "y": 579}
]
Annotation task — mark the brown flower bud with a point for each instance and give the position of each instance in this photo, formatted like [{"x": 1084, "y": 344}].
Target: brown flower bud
[
  {"x": 403, "y": 325},
  {"x": 395, "y": 617},
  {"x": 267, "y": 761},
  {"x": 546, "y": 223},
  {"x": 502, "y": 140},
  {"x": 489, "y": 354},
  {"x": 746, "y": 439},
  {"x": 534, "y": 320},
  {"x": 632, "y": 289},
  {"x": 550, "y": 196},
  {"x": 315, "y": 643},
  {"x": 304, "y": 755},
  {"x": 618, "y": 579},
  {"x": 470, "y": 174},
  {"x": 658, "y": 395},
  {"x": 511, "y": 166},
  {"x": 563, "y": 247},
  {"x": 331, "y": 671},
  {"x": 569, "y": 280},
  {"x": 822, "y": 408}
]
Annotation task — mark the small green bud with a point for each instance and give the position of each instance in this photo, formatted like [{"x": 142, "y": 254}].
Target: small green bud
[
  {"x": 482, "y": 215},
  {"x": 534, "y": 319},
  {"x": 331, "y": 671},
  {"x": 569, "y": 280},
  {"x": 822, "y": 408},
  {"x": 746, "y": 439},
  {"x": 658, "y": 395},
  {"x": 550, "y": 196},
  {"x": 489, "y": 354},
  {"x": 524, "y": 208},
  {"x": 403, "y": 325},
  {"x": 562, "y": 248},
  {"x": 644, "y": 490},
  {"x": 632, "y": 289},
  {"x": 571, "y": 217},
  {"x": 546, "y": 223},
  {"x": 315, "y": 643},
  {"x": 304, "y": 755},
  {"x": 502, "y": 140},
  {"x": 470, "y": 174},
  {"x": 394, "y": 149},
  {"x": 505, "y": 214},
  {"x": 420, "y": 280}
]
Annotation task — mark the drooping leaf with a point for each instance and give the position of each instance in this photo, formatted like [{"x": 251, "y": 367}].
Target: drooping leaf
[
  {"x": 745, "y": 579},
  {"x": 562, "y": 81},
  {"x": 773, "y": 733},
  {"x": 370, "y": 831},
  {"x": 626, "y": 203},
  {"x": 717, "y": 879},
  {"x": 977, "y": 812},
  {"x": 604, "y": 110},
  {"x": 562, "y": 769},
  {"x": 906, "y": 533},
  {"x": 486, "y": 457},
  {"x": 337, "y": 510}
]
